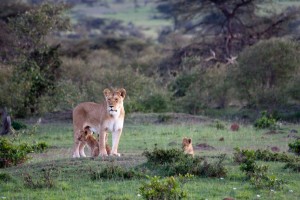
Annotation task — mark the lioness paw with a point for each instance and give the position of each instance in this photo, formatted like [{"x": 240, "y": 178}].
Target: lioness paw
[
  {"x": 116, "y": 154},
  {"x": 103, "y": 153}
]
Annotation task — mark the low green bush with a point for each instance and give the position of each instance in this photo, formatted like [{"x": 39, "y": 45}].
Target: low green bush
[
  {"x": 265, "y": 121},
  {"x": 257, "y": 174},
  {"x": 115, "y": 172},
  {"x": 260, "y": 180},
  {"x": 219, "y": 125},
  {"x": 160, "y": 156},
  {"x": 13, "y": 154},
  {"x": 17, "y": 125},
  {"x": 166, "y": 188},
  {"x": 295, "y": 147},
  {"x": 264, "y": 155},
  {"x": 5, "y": 177},
  {"x": 175, "y": 162},
  {"x": 294, "y": 165},
  {"x": 46, "y": 180}
]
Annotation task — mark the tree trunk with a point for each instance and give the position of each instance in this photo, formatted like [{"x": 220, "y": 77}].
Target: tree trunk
[{"x": 6, "y": 122}]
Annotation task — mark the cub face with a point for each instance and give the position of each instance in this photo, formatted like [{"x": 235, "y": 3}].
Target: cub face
[
  {"x": 187, "y": 146},
  {"x": 84, "y": 134},
  {"x": 114, "y": 100}
]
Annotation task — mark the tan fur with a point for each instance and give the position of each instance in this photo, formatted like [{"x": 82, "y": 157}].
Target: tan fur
[
  {"x": 187, "y": 146},
  {"x": 101, "y": 118},
  {"x": 87, "y": 136}
]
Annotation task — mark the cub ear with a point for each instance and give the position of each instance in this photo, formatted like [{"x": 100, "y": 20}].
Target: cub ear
[
  {"x": 86, "y": 130},
  {"x": 190, "y": 140},
  {"x": 122, "y": 92},
  {"x": 106, "y": 92}
]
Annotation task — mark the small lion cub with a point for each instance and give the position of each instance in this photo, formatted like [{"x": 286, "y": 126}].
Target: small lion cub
[
  {"x": 87, "y": 136},
  {"x": 187, "y": 146}
]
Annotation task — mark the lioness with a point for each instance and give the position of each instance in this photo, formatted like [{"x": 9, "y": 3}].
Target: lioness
[
  {"x": 101, "y": 118},
  {"x": 187, "y": 146},
  {"x": 86, "y": 135}
]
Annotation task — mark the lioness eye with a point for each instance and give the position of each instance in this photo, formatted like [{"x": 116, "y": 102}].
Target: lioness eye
[{"x": 116, "y": 100}]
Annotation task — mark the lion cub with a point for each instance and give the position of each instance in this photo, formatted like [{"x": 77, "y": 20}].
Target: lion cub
[
  {"x": 187, "y": 146},
  {"x": 87, "y": 136}
]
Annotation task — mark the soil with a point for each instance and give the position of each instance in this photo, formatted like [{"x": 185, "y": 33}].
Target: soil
[{"x": 204, "y": 146}]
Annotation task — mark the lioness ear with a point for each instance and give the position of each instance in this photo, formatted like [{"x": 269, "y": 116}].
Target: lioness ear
[
  {"x": 123, "y": 92},
  {"x": 106, "y": 92},
  {"x": 190, "y": 140}
]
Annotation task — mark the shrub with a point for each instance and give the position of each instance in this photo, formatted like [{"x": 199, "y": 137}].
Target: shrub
[
  {"x": 175, "y": 162},
  {"x": 113, "y": 171},
  {"x": 262, "y": 77},
  {"x": 260, "y": 180},
  {"x": 265, "y": 121},
  {"x": 4, "y": 177},
  {"x": 256, "y": 173},
  {"x": 18, "y": 125},
  {"x": 198, "y": 167},
  {"x": 167, "y": 188},
  {"x": 219, "y": 125},
  {"x": 295, "y": 147},
  {"x": 40, "y": 147},
  {"x": 164, "y": 118},
  {"x": 155, "y": 103},
  {"x": 160, "y": 156},
  {"x": 267, "y": 155},
  {"x": 11, "y": 154},
  {"x": 202, "y": 88},
  {"x": 294, "y": 165},
  {"x": 46, "y": 181}
]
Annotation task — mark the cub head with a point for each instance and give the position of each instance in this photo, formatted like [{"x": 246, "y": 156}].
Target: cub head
[
  {"x": 187, "y": 144},
  {"x": 114, "y": 100},
  {"x": 84, "y": 134}
]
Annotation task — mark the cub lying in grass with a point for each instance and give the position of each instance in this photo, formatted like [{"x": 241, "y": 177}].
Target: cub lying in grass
[
  {"x": 187, "y": 146},
  {"x": 87, "y": 136}
]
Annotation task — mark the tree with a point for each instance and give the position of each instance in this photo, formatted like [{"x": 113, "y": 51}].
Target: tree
[
  {"x": 266, "y": 70},
  {"x": 35, "y": 64},
  {"x": 6, "y": 122},
  {"x": 227, "y": 26},
  {"x": 8, "y": 10}
]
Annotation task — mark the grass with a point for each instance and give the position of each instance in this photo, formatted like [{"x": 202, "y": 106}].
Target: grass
[{"x": 72, "y": 176}]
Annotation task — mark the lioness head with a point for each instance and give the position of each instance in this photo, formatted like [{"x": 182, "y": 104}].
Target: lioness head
[
  {"x": 114, "y": 100},
  {"x": 84, "y": 134}
]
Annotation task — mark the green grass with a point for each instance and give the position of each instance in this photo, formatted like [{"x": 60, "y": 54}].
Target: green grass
[{"x": 72, "y": 176}]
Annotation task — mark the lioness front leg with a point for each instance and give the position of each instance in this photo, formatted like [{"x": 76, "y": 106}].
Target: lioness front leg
[
  {"x": 102, "y": 143},
  {"x": 115, "y": 142}
]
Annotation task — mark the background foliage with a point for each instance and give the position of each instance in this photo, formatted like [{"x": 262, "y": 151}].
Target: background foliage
[{"x": 63, "y": 54}]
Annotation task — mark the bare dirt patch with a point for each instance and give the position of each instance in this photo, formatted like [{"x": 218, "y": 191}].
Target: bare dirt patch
[{"x": 204, "y": 146}]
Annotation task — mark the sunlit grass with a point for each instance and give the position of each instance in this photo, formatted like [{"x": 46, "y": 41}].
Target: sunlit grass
[{"x": 73, "y": 179}]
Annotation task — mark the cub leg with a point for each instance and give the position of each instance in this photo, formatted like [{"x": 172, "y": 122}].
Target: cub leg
[
  {"x": 81, "y": 149},
  {"x": 76, "y": 150},
  {"x": 76, "y": 144}
]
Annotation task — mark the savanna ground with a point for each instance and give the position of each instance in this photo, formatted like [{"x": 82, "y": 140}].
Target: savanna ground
[{"x": 72, "y": 177}]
